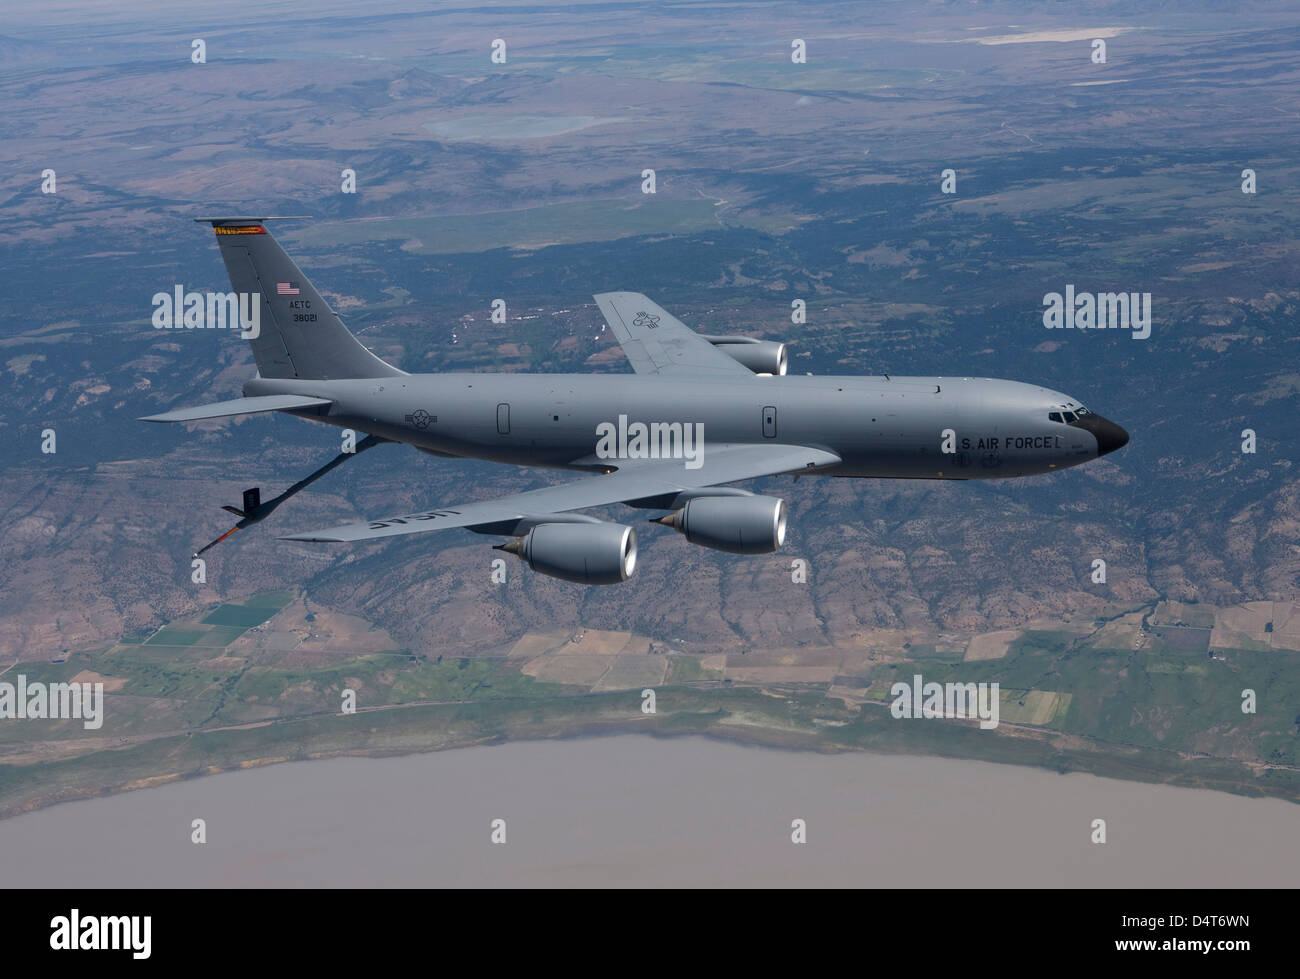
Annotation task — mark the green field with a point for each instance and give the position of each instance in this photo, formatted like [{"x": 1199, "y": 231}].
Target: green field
[
  {"x": 173, "y": 636},
  {"x": 241, "y": 616}
]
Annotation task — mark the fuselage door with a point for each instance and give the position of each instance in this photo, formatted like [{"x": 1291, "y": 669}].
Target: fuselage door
[
  {"x": 503, "y": 419},
  {"x": 769, "y": 422}
]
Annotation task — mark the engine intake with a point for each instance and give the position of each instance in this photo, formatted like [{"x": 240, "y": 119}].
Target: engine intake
[
  {"x": 590, "y": 554},
  {"x": 740, "y": 525}
]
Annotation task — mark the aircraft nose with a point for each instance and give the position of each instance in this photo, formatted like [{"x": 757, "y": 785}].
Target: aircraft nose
[{"x": 1109, "y": 436}]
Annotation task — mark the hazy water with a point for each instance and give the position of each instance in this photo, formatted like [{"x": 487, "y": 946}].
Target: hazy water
[
  {"x": 498, "y": 129},
  {"x": 635, "y": 810}
]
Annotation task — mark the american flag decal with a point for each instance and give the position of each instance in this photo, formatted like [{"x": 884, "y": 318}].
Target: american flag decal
[{"x": 286, "y": 288}]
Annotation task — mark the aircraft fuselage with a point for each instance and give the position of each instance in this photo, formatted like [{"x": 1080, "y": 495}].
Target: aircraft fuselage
[{"x": 908, "y": 427}]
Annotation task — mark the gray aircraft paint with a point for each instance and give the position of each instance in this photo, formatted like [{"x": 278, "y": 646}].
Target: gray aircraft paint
[
  {"x": 753, "y": 424},
  {"x": 878, "y": 427}
]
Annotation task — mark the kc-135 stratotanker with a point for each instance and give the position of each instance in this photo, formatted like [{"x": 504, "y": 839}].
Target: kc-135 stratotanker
[{"x": 699, "y": 412}]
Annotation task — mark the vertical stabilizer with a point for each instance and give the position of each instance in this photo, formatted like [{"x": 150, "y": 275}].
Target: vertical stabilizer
[{"x": 300, "y": 335}]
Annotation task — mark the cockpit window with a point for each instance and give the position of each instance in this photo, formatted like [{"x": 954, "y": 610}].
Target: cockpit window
[
  {"x": 1070, "y": 416},
  {"x": 1083, "y": 411},
  {"x": 1054, "y": 416}
]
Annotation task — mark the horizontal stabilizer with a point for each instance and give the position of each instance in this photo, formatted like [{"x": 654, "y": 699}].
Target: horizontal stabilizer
[{"x": 240, "y": 406}]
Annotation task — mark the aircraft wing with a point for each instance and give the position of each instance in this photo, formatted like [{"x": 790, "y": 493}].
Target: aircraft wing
[
  {"x": 240, "y": 406},
  {"x": 657, "y": 342},
  {"x": 635, "y": 480}
]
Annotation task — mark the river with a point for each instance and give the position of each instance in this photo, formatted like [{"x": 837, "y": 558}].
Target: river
[{"x": 642, "y": 811}]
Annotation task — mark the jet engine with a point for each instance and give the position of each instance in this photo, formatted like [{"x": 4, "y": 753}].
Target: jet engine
[
  {"x": 588, "y": 553},
  {"x": 739, "y": 524},
  {"x": 760, "y": 356}
]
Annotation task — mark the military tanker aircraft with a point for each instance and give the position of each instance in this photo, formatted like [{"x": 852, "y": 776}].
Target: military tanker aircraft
[{"x": 700, "y": 411}]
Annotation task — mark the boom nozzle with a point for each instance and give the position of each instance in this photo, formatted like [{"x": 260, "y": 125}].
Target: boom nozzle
[{"x": 208, "y": 547}]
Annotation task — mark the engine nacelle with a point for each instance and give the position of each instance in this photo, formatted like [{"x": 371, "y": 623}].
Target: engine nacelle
[
  {"x": 760, "y": 356},
  {"x": 739, "y": 524},
  {"x": 590, "y": 554}
]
